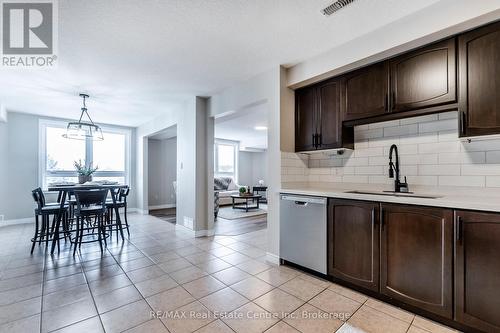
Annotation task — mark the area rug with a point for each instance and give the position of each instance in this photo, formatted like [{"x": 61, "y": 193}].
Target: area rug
[{"x": 228, "y": 213}]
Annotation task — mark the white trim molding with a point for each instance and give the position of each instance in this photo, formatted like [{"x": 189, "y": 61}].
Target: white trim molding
[{"x": 165, "y": 206}]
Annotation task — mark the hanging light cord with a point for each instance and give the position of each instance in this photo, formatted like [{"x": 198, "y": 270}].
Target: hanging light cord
[{"x": 84, "y": 110}]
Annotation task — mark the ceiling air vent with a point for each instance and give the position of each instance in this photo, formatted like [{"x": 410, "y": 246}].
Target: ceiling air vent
[{"x": 335, "y": 6}]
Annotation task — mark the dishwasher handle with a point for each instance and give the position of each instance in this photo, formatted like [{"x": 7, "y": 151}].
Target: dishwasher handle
[{"x": 304, "y": 200}]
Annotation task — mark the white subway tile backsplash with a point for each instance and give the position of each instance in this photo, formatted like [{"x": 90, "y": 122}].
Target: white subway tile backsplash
[
  {"x": 439, "y": 170},
  {"x": 481, "y": 169},
  {"x": 478, "y": 181},
  {"x": 431, "y": 154},
  {"x": 438, "y": 125},
  {"x": 401, "y": 130}
]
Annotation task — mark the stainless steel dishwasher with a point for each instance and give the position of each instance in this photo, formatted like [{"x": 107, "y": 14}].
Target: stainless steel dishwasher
[{"x": 303, "y": 231}]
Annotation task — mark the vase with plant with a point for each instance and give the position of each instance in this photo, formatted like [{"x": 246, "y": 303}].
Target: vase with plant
[
  {"x": 243, "y": 190},
  {"x": 84, "y": 172}
]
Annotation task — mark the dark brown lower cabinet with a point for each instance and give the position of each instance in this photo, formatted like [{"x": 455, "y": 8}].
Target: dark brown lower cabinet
[
  {"x": 416, "y": 252},
  {"x": 353, "y": 247},
  {"x": 477, "y": 270}
]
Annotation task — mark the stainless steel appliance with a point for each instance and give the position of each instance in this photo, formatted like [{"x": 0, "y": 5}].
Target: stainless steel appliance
[{"x": 303, "y": 231}]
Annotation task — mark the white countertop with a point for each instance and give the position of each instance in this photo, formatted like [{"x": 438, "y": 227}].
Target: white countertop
[{"x": 484, "y": 199}]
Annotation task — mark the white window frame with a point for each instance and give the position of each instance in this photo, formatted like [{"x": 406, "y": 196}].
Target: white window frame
[
  {"x": 236, "y": 145},
  {"x": 42, "y": 152}
]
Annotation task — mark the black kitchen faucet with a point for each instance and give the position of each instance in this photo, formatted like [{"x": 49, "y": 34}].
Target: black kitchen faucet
[{"x": 394, "y": 168}]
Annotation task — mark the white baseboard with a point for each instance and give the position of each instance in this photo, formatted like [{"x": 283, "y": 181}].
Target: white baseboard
[
  {"x": 272, "y": 258},
  {"x": 18, "y": 221},
  {"x": 162, "y": 206},
  {"x": 195, "y": 233}
]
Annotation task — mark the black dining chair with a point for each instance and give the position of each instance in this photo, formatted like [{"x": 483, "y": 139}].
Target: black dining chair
[
  {"x": 45, "y": 210},
  {"x": 90, "y": 214},
  {"x": 121, "y": 202}
]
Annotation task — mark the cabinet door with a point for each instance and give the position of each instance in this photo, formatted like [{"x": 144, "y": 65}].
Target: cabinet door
[
  {"x": 353, "y": 242},
  {"x": 366, "y": 92},
  {"x": 416, "y": 256},
  {"x": 424, "y": 78},
  {"x": 479, "y": 73},
  {"x": 477, "y": 270},
  {"x": 305, "y": 118},
  {"x": 329, "y": 115}
]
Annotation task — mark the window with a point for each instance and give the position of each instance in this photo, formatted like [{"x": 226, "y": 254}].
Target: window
[
  {"x": 226, "y": 159},
  {"x": 57, "y": 154}
]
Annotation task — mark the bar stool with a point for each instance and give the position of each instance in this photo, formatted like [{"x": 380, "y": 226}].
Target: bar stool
[
  {"x": 121, "y": 202},
  {"x": 90, "y": 204},
  {"x": 44, "y": 210}
]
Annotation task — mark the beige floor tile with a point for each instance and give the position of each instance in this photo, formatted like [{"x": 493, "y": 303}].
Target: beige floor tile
[
  {"x": 221, "y": 251},
  {"x": 315, "y": 280},
  {"x": 308, "y": 319},
  {"x": 65, "y": 297},
  {"x": 174, "y": 265},
  {"x": 116, "y": 298},
  {"x": 105, "y": 286},
  {"x": 16, "y": 311},
  {"x": 252, "y": 287},
  {"x": 253, "y": 266},
  {"x": 89, "y": 325},
  {"x": 164, "y": 256},
  {"x": 301, "y": 288},
  {"x": 199, "y": 258},
  {"x": 231, "y": 275},
  {"x": 170, "y": 300},
  {"x": 224, "y": 300},
  {"x": 334, "y": 303},
  {"x": 189, "y": 318},
  {"x": 154, "y": 286},
  {"x": 390, "y": 310},
  {"x": 371, "y": 320},
  {"x": 431, "y": 326},
  {"x": 276, "y": 276},
  {"x": 126, "y": 317},
  {"x": 217, "y": 326},
  {"x": 279, "y": 302},
  {"x": 415, "y": 329},
  {"x": 203, "y": 286},
  {"x": 236, "y": 258},
  {"x": 24, "y": 325},
  {"x": 213, "y": 266},
  {"x": 187, "y": 274},
  {"x": 152, "y": 326},
  {"x": 146, "y": 273},
  {"x": 250, "y": 318},
  {"x": 67, "y": 315},
  {"x": 282, "y": 327},
  {"x": 358, "y": 297}
]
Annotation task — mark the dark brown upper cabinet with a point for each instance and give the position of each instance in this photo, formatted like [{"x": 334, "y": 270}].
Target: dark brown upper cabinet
[
  {"x": 424, "y": 78},
  {"x": 305, "y": 119},
  {"x": 366, "y": 92},
  {"x": 353, "y": 242},
  {"x": 477, "y": 270},
  {"x": 479, "y": 70},
  {"x": 318, "y": 117},
  {"x": 416, "y": 252}
]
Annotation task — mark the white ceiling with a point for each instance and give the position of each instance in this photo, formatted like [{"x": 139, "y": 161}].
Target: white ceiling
[
  {"x": 240, "y": 127},
  {"x": 137, "y": 58}
]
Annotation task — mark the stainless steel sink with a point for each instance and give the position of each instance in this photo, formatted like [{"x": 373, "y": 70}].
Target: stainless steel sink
[{"x": 397, "y": 194}]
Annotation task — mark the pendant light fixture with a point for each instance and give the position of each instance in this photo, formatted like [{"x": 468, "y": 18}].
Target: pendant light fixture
[{"x": 81, "y": 130}]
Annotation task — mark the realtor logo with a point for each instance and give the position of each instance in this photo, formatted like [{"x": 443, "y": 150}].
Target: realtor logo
[{"x": 28, "y": 33}]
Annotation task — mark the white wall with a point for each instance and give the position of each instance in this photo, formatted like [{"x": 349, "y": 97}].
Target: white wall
[
  {"x": 19, "y": 165},
  {"x": 193, "y": 128},
  {"x": 263, "y": 88},
  {"x": 162, "y": 172},
  {"x": 252, "y": 167},
  {"x": 438, "y": 21}
]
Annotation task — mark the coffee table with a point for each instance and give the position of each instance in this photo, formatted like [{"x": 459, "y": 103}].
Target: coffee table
[{"x": 246, "y": 198}]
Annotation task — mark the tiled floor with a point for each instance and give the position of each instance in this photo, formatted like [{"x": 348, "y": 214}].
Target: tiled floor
[{"x": 163, "y": 280}]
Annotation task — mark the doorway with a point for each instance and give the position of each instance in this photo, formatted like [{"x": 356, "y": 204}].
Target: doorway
[{"x": 162, "y": 174}]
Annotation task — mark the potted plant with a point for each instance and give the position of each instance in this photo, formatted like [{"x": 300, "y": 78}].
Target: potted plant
[
  {"x": 243, "y": 190},
  {"x": 84, "y": 172}
]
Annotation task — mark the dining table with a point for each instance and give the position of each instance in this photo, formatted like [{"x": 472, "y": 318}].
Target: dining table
[{"x": 65, "y": 190}]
